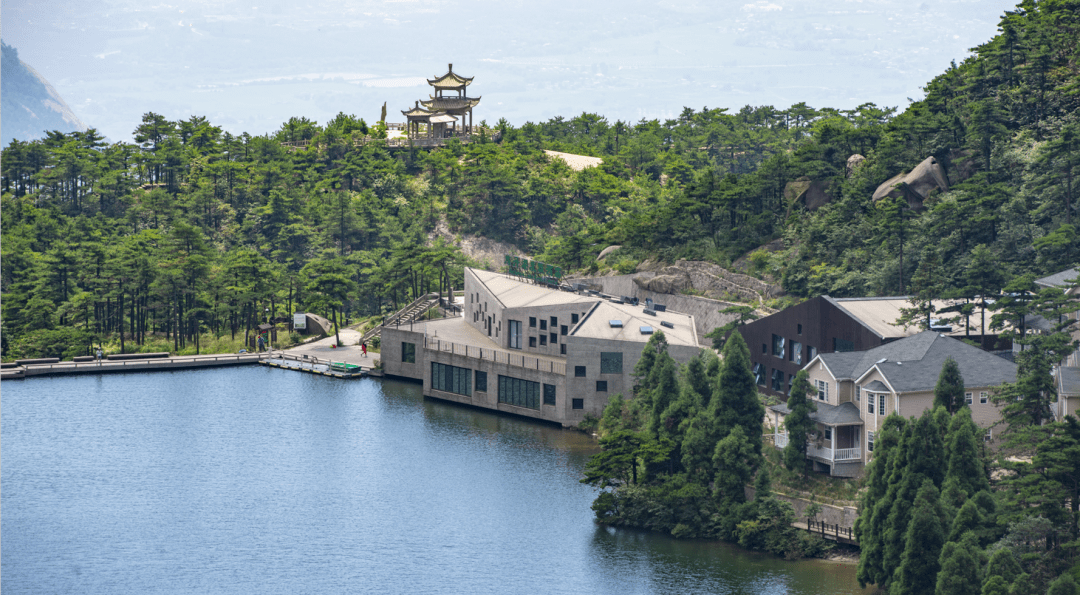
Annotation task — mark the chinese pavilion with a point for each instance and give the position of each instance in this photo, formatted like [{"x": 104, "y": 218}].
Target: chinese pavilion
[{"x": 441, "y": 111}]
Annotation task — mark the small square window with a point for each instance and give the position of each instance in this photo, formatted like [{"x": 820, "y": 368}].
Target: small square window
[
  {"x": 968, "y": 398},
  {"x": 764, "y": 348},
  {"x": 532, "y": 322},
  {"x": 408, "y": 353},
  {"x": 577, "y": 404},
  {"x": 983, "y": 397},
  {"x": 579, "y": 371},
  {"x": 481, "y": 381},
  {"x": 601, "y": 386},
  {"x": 564, "y": 330},
  {"x": 532, "y": 341},
  {"x": 800, "y": 329},
  {"x": 543, "y": 325},
  {"x": 543, "y": 339},
  {"x": 554, "y": 338},
  {"x": 554, "y": 322},
  {"x": 573, "y": 318},
  {"x": 828, "y": 433},
  {"x": 562, "y": 349}
]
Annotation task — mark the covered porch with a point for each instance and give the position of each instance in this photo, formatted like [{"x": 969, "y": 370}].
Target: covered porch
[{"x": 835, "y": 447}]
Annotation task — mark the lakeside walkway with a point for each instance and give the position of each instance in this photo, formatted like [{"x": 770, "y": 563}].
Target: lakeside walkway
[{"x": 180, "y": 362}]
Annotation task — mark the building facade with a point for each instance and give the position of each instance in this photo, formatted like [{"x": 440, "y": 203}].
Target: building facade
[
  {"x": 537, "y": 351},
  {"x": 856, "y": 391}
]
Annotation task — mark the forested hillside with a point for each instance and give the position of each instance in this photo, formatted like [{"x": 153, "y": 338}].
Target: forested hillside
[{"x": 193, "y": 231}]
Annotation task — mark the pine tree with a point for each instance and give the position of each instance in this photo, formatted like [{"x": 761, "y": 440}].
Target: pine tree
[
  {"x": 923, "y": 542},
  {"x": 965, "y": 463},
  {"x": 949, "y": 391},
  {"x": 874, "y": 506},
  {"x": 959, "y": 574},
  {"x": 735, "y": 399},
  {"x": 734, "y": 461},
  {"x": 1064, "y": 585},
  {"x": 798, "y": 422}
]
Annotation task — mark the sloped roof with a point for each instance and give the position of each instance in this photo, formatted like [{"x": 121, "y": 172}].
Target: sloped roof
[
  {"x": 450, "y": 80},
  {"x": 450, "y": 103},
  {"x": 1058, "y": 279},
  {"x": 418, "y": 111},
  {"x": 1068, "y": 381},
  {"x": 914, "y": 363},
  {"x": 513, "y": 293},
  {"x": 831, "y": 415}
]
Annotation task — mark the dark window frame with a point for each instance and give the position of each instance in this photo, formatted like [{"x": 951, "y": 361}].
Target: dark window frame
[{"x": 408, "y": 352}]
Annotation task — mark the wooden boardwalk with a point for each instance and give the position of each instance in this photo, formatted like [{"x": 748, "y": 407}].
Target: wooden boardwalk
[{"x": 181, "y": 362}]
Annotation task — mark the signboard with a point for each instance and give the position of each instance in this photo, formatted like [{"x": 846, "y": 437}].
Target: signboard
[
  {"x": 299, "y": 321},
  {"x": 531, "y": 269}
]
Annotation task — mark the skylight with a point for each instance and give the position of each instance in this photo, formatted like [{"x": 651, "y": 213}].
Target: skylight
[
  {"x": 646, "y": 330},
  {"x": 615, "y": 323}
]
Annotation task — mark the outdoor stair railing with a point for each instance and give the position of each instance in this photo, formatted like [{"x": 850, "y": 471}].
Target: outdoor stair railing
[{"x": 822, "y": 452}]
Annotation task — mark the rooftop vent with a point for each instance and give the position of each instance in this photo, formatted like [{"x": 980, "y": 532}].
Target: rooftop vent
[
  {"x": 646, "y": 330},
  {"x": 615, "y": 323},
  {"x": 666, "y": 324},
  {"x": 659, "y": 307},
  {"x": 616, "y": 301},
  {"x": 884, "y": 359},
  {"x": 650, "y": 312}
]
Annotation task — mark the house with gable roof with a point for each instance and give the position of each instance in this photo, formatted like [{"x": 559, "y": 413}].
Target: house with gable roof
[{"x": 857, "y": 390}]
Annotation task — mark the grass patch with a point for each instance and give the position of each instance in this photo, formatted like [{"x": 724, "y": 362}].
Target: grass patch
[{"x": 819, "y": 485}]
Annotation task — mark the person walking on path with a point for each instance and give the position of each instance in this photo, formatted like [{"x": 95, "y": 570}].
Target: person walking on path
[
  {"x": 363, "y": 347},
  {"x": 98, "y": 355}
]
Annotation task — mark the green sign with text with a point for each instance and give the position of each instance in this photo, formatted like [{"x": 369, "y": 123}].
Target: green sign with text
[{"x": 530, "y": 269}]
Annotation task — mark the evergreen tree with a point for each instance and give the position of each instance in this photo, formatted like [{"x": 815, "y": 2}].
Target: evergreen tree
[
  {"x": 734, "y": 461},
  {"x": 874, "y": 506},
  {"x": 735, "y": 400},
  {"x": 923, "y": 541},
  {"x": 949, "y": 390},
  {"x": 959, "y": 574},
  {"x": 1064, "y": 585},
  {"x": 965, "y": 463},
  {"x": 798, "y": 422}
]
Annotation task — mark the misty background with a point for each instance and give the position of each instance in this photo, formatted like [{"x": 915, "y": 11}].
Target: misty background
[{"x": 249, "y": 66}]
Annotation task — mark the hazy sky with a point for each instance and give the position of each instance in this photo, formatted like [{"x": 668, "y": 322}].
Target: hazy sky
[{"x": 250, "y": 65}]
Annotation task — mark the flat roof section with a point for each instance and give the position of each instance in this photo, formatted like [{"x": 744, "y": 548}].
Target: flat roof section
[
  {"x": 880, "y": 314},
  {"x": 513, "y": 293},
  {"x": 598, "y": 324}
]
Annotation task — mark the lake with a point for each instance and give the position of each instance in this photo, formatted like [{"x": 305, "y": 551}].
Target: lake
[{"x": 259, "y": 480}]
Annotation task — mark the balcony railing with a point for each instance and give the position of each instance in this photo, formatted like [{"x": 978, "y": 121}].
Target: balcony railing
[
  {"x": 822, "y": 452},
  {"x": 496, "y": 355}
]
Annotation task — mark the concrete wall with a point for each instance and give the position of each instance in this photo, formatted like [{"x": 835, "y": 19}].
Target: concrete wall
[
  {"x": 832, "y": 514},
  {"x": 706, "y": 311},
  {"x": 483, "y": 309},
  {"x": 562, "y": 312},
  {"x": 585, "y": 351}
]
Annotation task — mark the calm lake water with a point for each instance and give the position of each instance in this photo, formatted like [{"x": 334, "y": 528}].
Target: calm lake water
[{"x": 258, "y": 480}]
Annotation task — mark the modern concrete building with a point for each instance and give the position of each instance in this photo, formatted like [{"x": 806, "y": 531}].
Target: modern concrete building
[
  {"x": 533, "y": 350},
  {"x": 857, "y": 390}
]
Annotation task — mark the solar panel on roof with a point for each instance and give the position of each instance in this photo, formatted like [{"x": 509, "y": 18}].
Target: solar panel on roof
[
  {"x": 615, "y": 323},
  {"x": 666, "y": 324},
  {"x": 646, "y": 330}
]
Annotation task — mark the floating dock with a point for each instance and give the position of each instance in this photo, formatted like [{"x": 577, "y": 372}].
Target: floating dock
[
  {"x": 313, "y": 365},
  {"x": 108, "y": 366}
]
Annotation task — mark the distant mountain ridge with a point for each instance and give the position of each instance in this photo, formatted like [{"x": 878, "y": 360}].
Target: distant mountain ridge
[{"x": 29, "y": 105}]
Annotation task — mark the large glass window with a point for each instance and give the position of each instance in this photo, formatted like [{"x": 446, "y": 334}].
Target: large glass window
[
  {"x": 795, "y": 354},
  {"x": 515, "y": 334},
  {"x": 778, "y": 346},
  {"x": 549, "y": 394},
  {"x": 408, "y": 352},
  {"x": 611, "y": 362},
  {"x": 451, "y": 379},
  {"x": 518, "y": 392},
  {"x": 759, "y": 374},
  {"x": 778, "y": 380},
  {"x": 481, "y": 381}
]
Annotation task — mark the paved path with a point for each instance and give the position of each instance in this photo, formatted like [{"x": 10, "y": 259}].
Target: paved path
[{"x": 349, "y": 352}]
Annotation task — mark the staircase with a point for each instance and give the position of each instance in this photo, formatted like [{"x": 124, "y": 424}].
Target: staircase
[{"x": 404, "y": 316}]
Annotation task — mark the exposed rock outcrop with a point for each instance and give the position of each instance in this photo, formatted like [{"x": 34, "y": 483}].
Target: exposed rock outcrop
[
  {"x": 707, "y": 279},
  {"x": 917, "y": 185},
  {"x": 811, "y": 194},
  {"x": 853, "y": 163},
  {"x": 481, "y": 249},
  {"x": 606, "y": 251}
]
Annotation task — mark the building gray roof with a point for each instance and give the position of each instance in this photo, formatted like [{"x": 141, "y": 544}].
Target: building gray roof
[
  {"x": 597, "y": 323},
  {"x": 1058, "y": 279},
  {"x": 1068, "y": 381},
  {"x": 830, "y": 415},
  {"x": 876, "y": 387},
  {"x": 914, "y": 363}
]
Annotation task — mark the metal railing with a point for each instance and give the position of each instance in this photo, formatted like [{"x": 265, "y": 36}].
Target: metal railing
[
  {"x": 162, "y": 362},
  {"x": 826, "y": 530},
  {"x": 495, "y": 355},
  {"x": 822, "y": 452}
]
